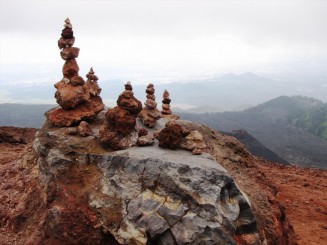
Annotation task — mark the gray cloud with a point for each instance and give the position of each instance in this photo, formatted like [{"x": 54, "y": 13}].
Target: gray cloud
[{"x": 285, "y": 29}]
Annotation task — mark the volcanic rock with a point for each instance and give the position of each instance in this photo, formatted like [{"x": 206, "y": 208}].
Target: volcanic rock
[
  {"x": 85, "y": 111},
  {"x": 77, "y": 80},
  {"x": 150, "y": 114},
  {"x": 171, "y": 136},
  {"x": 141, "y": 195},
  {"x": 166, "y": 111},
  {"x": 145, "y": 140},
  {"x": 69, "y": 96},
  {"x": 78, "y": 100},
  {"x": 118, "y": 131},
  {"x": 91, "y": 76},
  {"x": 84, "y": 129},
  {"x": 194, "y": 140},
  {"x": 70, "y": 68},
  {"x": 69, "y": 53}
]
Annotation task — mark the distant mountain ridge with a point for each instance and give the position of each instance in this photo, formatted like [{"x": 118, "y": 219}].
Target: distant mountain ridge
[{"x": 271, "y": 125}]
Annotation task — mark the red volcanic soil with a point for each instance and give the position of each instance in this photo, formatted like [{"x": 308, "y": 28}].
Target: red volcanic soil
[{"x": 290, "y": 203}]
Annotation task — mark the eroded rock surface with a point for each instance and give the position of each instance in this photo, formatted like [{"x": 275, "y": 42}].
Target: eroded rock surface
[{"x": 140, "y": 195}]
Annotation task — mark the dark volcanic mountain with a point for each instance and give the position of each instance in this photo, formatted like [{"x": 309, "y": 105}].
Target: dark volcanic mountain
[
  {"x": 255, "y": 147},
  {"x": 269, "y": 123}
]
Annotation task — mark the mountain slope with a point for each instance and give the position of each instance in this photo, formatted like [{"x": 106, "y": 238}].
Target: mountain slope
[
  {"x": 255, "y": 147},
  {"x": 269, "y": 124}
]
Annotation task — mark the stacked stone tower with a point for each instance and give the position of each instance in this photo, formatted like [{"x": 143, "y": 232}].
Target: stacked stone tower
[
  {"x": 78, "y": 100},
  {"x": 150, "y": 114},
  {"x": 118, "y": 130},
  {"x": 166, "y": 103}
]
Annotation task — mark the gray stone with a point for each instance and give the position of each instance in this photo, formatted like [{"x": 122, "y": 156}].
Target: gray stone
[{"x": 146, "y": 195}]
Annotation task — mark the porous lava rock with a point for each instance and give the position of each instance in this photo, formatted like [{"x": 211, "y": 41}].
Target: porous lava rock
[
  {"x": 150, "y": 113},
  {"x": 84, "y": 129},
  {"x": 171, "y": 136},
  {"x": 176, "y": 135},
  {"x": 118, "y": 130},
  {"x": 78, "y": 100}
]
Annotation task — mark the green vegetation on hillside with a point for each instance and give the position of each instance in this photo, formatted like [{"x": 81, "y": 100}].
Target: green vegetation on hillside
[{"x": 313, "y": 120}]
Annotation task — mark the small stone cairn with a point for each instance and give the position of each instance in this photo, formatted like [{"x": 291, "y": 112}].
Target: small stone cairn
[
  {"x": 150, "y": 113},
  {"x": 166, "y": 111},
  {"x": 118, "y": 130},
  {"x": 78, "y": 100}
]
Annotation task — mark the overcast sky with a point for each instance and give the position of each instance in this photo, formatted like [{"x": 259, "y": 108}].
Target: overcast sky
[{"x": 182, "y": 37}]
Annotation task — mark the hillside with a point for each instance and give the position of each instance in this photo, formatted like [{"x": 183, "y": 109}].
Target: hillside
[
  {"x": 255, "y": 147},
  {"x": 269, "y": 123}
]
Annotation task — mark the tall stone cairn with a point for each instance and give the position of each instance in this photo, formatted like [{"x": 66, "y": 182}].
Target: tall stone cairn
[
  {"x": 78, "y": 100},
  {"x": 118, "y": 130},
  {"x": 150, "y": 113},
  {"x": 166, "y": 111}
]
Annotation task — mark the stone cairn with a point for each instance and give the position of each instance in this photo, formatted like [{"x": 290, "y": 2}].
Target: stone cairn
[
  {"x": 150, "y": 113},
  {"x": 166, "y": 111},
  {"x": 78, "y": 100},
  {"x": 118, "y": 130}
]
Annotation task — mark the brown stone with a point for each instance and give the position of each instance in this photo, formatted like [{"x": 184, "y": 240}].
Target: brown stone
[
  {"x": 93, "y": 87},
  {"x": 85, "y": 111},
  {"x": 77, "y": 80},
  {"x": 71, "y": 131},
  {"x": 128, "y": 86},
  {"x": 128, "y": 102},
  {"x": 166, "y": 101},
  {"x": 69, "y": 53},
  {"x": 146, "y": 140},
  {"x": 69, "y": 96},
  {"x": 150, "y": 104},
  {"x": 194, "y": 140},
  {"x": 67, "y": 33},
  {"x": 151, "y": 96},
  {"x": 149, "y": 117},
  {"x": 197, "y": 151},
  {"x": 84, "y": 129},
  {"x": 70, "y": 68},
  {"x": 150, "y": 114},
  {"x": 63, "y": 43},
  {"x": 114, "y": 140},
  {"x": 91, "y": 75},
  {"x": 120, "y": 120},
  {"x": 142, "y": 132},
  {"x": 166, "y": 112},
  {"x": 150, "y": 89},
  {"x": 171, "y": 136}
]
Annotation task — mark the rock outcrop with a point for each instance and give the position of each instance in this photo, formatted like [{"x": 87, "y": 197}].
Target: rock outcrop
[
  {"x": 166, "y": 111},
  {"x": 78, "y": 100},
  {"x": 150, "y": 113},
  {"x": 177, "y": 134},
  {"x": 118, "y": 130},
  {"x": 140, "y": 195}
]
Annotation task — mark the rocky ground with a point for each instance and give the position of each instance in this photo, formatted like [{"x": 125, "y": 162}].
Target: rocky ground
[{"x": 286, "y": 199}]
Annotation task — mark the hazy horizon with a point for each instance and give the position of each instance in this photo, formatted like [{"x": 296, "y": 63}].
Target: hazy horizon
[{"x": 165, "y": 41}]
